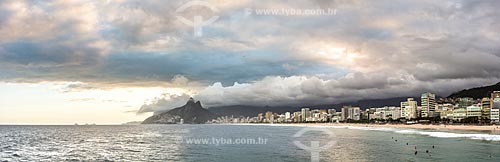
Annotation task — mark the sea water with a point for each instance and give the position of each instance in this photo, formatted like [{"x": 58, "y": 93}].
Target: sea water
[{"x": 228, "y": 143}]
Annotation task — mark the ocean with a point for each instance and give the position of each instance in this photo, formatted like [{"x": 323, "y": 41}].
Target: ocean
[{"x": 252, "y": 143}]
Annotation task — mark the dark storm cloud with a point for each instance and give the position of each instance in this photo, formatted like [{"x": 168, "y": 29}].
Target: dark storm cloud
[
  {"x": 46, "y": 53},
  {"x": 144, "y": 41},
  {"x": 204, "y": 66}
]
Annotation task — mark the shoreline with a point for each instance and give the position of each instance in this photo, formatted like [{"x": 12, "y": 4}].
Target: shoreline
[{"x": 492, "y": 128}]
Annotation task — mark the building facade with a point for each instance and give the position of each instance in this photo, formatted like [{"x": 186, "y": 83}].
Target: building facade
[
  {"x": 305, "y": 112},
  {"x": 474, "y": 111},
  {"x": 428, "y": 104},
  {"x": 349, "y": 112},
  {"x": 409, "y": 109},
  {"x": 459, "y": 114},
  {"x": 486, "y": 105},
  {"x": 495, "y": 116},
  {"x": 495, "y": 97}
]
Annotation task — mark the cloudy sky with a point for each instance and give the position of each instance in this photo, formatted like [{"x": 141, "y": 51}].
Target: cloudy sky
[{"x": 64, "y": 62}]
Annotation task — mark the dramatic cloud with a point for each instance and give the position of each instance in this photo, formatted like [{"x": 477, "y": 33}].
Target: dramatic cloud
[
  {"x": 165, "y": 102},
  {"x": 368, "y": 49},
  {"x": 308, "y": 91}
]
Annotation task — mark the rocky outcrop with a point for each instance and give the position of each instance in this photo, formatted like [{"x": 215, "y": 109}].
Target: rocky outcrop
[{"x": 191, "y": 113}]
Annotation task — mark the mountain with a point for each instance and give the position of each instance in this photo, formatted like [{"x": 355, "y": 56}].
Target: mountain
[
  {"x": 192, "y": 113},
  {"x": 244, "y": 110},
  {"x": 476, "y": 93}
]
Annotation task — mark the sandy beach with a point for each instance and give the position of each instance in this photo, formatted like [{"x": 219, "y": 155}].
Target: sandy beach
[{"x": 412, "y": 126}]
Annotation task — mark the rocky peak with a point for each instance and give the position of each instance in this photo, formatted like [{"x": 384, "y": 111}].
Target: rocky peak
[
  {"x": 191, "y": 112},
  {"x": 191, "y": 100}
]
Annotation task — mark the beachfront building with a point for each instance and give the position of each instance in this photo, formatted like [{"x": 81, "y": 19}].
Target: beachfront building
[
  {"x": 445, "y": 110},
  {"x": 419, "y": 111},
  {"x": 260, "y": 117},
  {"x": 305, "y": 112},
  {"x": 355, "y": 113},
  {"x": 269, "y": 116},
  {"x": 460, "y": 111},
  {"x": 409, "y": 109},
  {"x": 395, "y": 112},
  {"x": 384, "y": 113},
  {"x": 316, "y": 116},
  {"x": 428, "y": 104},
  {"x": 495, "y": 116},
  {"x": 344, "y": 113},
  {"x": 459, "y": 114},
  {"x": 486, "y": 104},
  {"x": 377, "y": 115},
  {"x": 337, "y": 116},
  {"x": 323, "y": 115},
  {"x": 350, "y": 112},
  {"x": 474, "y": 111},
  {"x": 495, "y": 97},
  {"x": 297, "y": 117},
  {"x": 288, "y": 117},
  {"x": 446, "y": 114}
]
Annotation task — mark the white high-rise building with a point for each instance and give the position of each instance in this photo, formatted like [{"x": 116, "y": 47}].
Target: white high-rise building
[
  {"x": 355, "y": 113},
  {"x": 393, "y": 113},
  {"x": 428, "y": 104},
  {"x": 344, "y": 113},
  {"x": 349, "y": 112},
  {"x": 287, "y": 115},
  {"x": 486, "y": 104},
  {"x": 409, "y": 109},
  {"x": 385, "y": 113},
  {"x": 445, "y": 110},
  {"x": 305, "y": 112},
  {"x": 495, "y": 116}
]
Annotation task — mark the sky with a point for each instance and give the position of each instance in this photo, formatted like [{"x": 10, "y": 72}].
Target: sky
[{"x": 110, "y": 62}]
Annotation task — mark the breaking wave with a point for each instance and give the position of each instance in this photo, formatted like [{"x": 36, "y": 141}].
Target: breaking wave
[{"x": 437, "y": 134}]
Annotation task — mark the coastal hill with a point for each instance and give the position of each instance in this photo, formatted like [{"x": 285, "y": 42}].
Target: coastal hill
[
  {"x": 476, "y": 93},
  {"x": 191, "y": 113}
]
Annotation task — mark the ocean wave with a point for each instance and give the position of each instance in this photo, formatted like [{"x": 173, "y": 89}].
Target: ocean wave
[
  {"x": 438, "y": 134},
  {"x": 488, "y": 137}
]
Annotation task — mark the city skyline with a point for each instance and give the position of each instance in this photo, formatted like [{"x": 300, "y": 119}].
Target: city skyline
[
  {"x": 462, "y": 110},
  {"x": 110, "y": 62}
]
